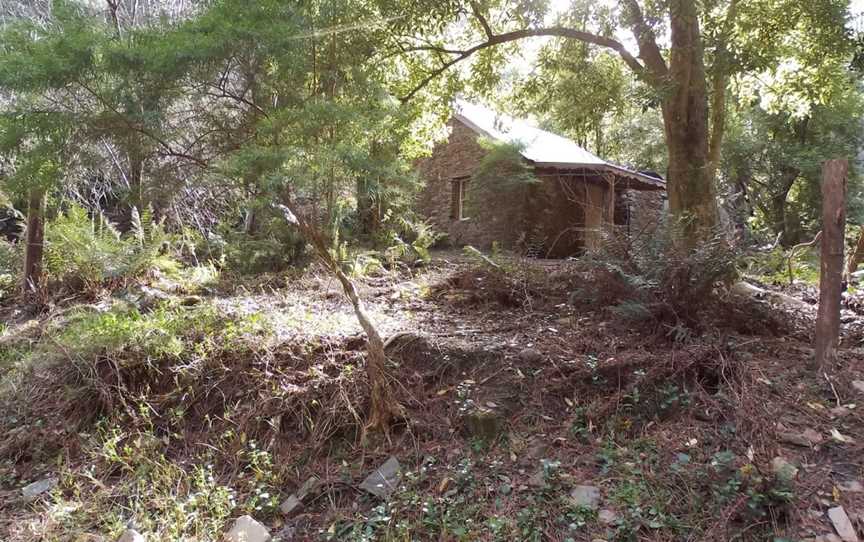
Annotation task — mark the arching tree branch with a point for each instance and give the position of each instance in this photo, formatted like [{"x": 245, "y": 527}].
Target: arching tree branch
[
  {"x": 507, "y": 37},
  {"x": 649, "y": 51}
]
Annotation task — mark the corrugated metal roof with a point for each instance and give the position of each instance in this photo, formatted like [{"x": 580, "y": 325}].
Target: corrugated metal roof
[{"x": 541, "y": 147}]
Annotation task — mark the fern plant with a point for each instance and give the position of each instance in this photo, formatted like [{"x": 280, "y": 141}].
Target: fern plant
[
  {"x": 409, "y": 239},
  {"x": 92, "y": 250}
]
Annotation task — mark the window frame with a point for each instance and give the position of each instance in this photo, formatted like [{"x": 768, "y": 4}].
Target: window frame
[{"x": 458, "y": 197}]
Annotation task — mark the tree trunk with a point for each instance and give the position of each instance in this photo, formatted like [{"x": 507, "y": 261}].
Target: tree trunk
[
  {"x": 690, "y": 182},
  {"x": 136, "y": 184},
  {"x": 384, "y": 406},
  {"x": 35, "y": 237},
  {"x": 367, "y": 212},
  {"x": 718, "y": 119},
  {"x": 834, "y": 174},
  {"x": 779, "y": 220}
]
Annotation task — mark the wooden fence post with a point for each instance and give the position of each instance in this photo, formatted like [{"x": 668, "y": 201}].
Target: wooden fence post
[{"x": 834, "y": 174}]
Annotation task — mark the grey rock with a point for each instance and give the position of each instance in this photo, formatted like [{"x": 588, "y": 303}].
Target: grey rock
[
  {"x": 853, "y": 486},
  {"x": 538, "y": 479},
  {"x": 484, "y": 423},
  {"x": 287, "y": 533},
  {"x": 145, "y": 298},
  {"x": 296, "y": 499},
  {"x": 586, "y": 497},
  {"x": 290, "y": 504},
  {"x": 530, "y": 355},
  {"x": 839, "y": 412},
  {"x": 783, "y": 470},
  {"x": 842, "y": 524},
  {"x": 384, "y": 480},
  {"x": 796, "y": 439},
  {"x": 246, "y": 529},
  {"x": 815, "y": 437},
  {"x": 858, "y": 385},
  {"x": 39, "y": 487},
  {"x": 607, "y": 516},
  {"x": 310, "y": 485},
  {"x": 747, "y": 290},
  {"x": 131, "y": 535}
]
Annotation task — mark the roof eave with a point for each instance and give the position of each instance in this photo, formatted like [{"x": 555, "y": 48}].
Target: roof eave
[{"x": 652, "y": 182}]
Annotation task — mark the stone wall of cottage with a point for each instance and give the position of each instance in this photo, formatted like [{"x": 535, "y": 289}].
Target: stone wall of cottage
[
  {"x": 493, "y": 215},
  {"x": 645, "y": 209},
  {"x": 569, "y": 212},
  {"x": 557, "y": 217}
]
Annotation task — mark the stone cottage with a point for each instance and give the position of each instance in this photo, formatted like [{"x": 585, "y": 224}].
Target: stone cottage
[{"x": 571, "y": 198}]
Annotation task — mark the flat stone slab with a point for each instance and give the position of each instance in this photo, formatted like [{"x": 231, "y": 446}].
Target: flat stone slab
[
  {"x": 842, "y": 524},
  {"x": 131, "y": 535},
  {"x": 246, "y": 529},
  {"x": 586, "y": 497},
  {"x": 290, "y": 504},
  {"x": 607, "y": 516},
  {"x": 384, "y": 480},
  {"x": 39, "y": 487},
  {"x": 296, "y": 499}
]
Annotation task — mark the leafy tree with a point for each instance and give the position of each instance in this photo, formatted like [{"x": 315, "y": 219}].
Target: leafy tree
[
  {"x": 680, "y": 75},
  {"x": 773, "y": 162},
  {"x": 315, "y": 122}
]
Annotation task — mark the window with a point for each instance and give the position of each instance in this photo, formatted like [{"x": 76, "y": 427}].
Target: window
[{"x": 458, "y": 193}]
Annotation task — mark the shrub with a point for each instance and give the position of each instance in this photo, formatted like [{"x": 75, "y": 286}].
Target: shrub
[
  {"x": 10, "y": 266},
  {"x": 91, "y": 250},
  {"x": 658, "y": 277},
  {"x": 408, "y": 239},
  {"x": 273, "y": 247}
]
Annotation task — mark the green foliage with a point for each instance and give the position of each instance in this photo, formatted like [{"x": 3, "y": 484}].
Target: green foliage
[
  {"x": 772, "y": 266},
  {"x": 272, "y": 248},
  {"x": 657, "y": 277},
  {"x": 92, "y": 250},
  {"x": 162, "y": 333},
  {"x": 502, "y": 167},
  {"x": 11, "y": 261},
  {"x": 773, "y": 161},
  {"x": 407, "y": 238}
]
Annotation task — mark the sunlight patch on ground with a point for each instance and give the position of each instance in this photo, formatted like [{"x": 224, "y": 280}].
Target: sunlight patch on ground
[{"x": 293, "y": 314}]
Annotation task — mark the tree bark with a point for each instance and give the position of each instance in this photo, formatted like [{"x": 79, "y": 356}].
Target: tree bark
[
  {"x": 834, "y": 173},
  {"x": 690, "y": 182},
  {"x": 367, "y": 211},
  {"x": 35, "y": 238},
  {"x": 718, "y": 119},
  {"x": 384, "y": 406},
  {"x": 780, "y": 221}
]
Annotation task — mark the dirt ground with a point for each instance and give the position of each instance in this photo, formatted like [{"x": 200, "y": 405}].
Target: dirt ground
[{"x": 516, "y": 395}]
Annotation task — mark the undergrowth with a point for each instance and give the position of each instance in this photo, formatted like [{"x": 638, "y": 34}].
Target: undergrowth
[
  {"x": 659, "y": 279},
  {"x": 87, "y": 251}
]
